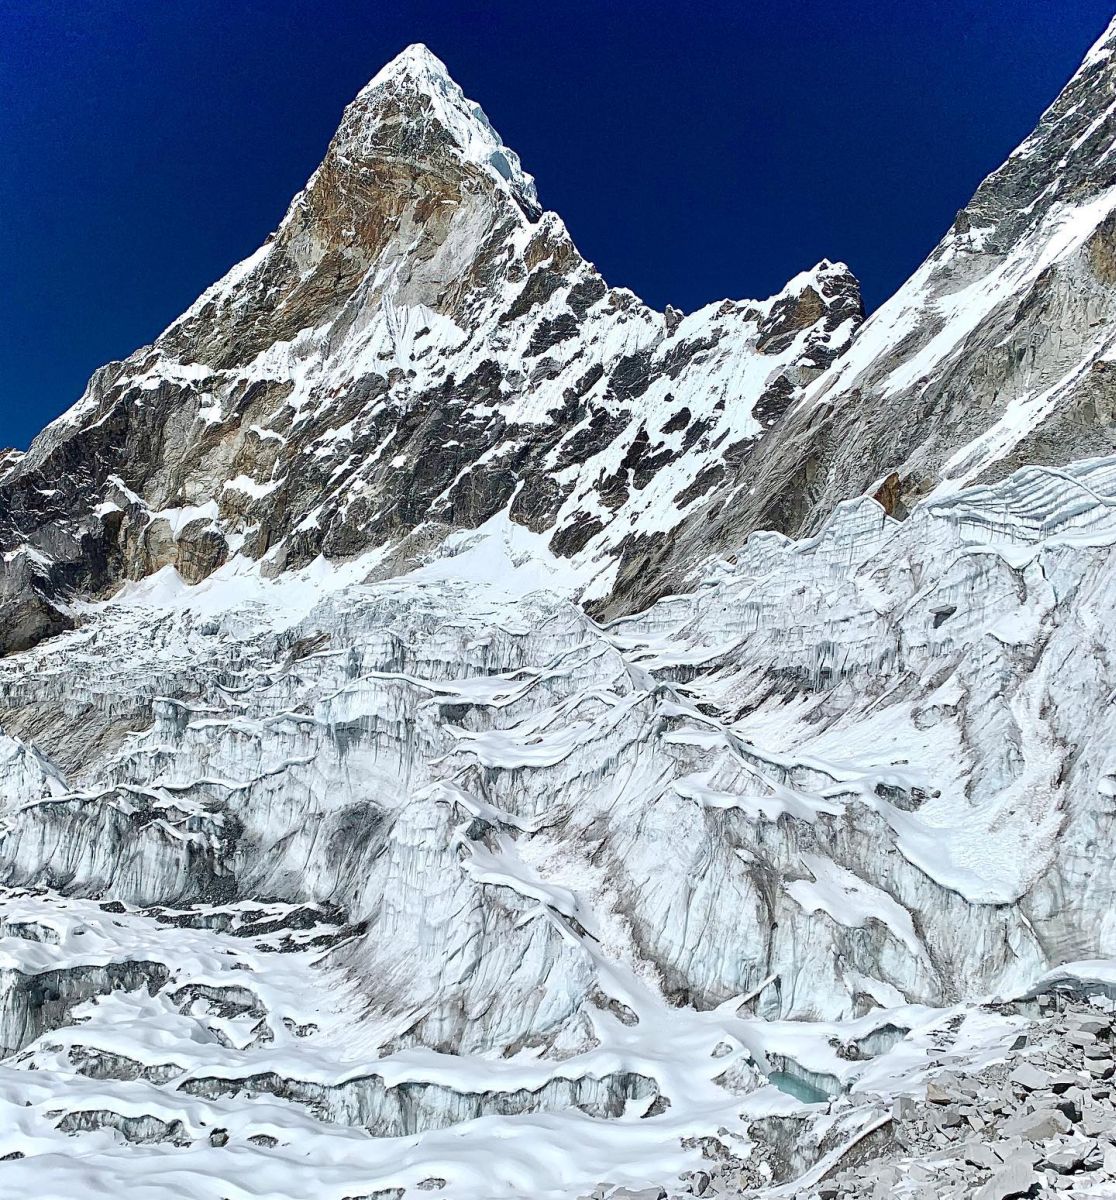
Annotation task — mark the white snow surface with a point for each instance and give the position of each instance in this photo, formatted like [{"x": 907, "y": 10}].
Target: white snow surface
[
  {"x": 376, "y": 872},
  {"x": 444, "y": 833}
]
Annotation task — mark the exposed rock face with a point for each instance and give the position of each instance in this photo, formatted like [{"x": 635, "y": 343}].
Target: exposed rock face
[
  {"x": 344, "y": 823},
  {"x": 417, "y": 348},
  {"x": 996, "y": 353}
]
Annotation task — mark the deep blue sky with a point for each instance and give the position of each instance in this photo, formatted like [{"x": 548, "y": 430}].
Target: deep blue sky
[{"x": 695, "y": 150}]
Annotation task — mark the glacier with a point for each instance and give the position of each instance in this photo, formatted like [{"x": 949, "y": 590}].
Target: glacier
[
  {"x": 464, "y": 732},
  {"x": 553, "y": 870}
]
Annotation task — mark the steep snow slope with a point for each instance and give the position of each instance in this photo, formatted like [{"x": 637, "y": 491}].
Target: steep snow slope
[
  {"x": 417, "y": 348},
  {"x": 345, "y": 851}
]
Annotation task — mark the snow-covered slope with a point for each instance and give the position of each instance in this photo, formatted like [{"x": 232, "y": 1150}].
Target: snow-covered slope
[
  {"x": 417, "y": 348},
  {"x": 348, "y": 852},
  {"x": 997, "y": 352}
]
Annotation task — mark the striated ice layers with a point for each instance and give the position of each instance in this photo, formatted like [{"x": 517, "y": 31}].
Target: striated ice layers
[{"x": 437, "y": 880}]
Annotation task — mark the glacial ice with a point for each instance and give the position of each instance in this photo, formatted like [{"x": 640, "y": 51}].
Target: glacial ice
[{"x": 395, "y": 862}]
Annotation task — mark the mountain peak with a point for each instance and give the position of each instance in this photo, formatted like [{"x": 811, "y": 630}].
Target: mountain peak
[
  {"x": 415, "y": 89},
  {"x": 418, "y": 62}
]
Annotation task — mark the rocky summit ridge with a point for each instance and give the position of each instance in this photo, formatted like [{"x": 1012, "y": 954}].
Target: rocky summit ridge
[
  {"x": 418, "y": 348},
  {"x": 466, "y": 734}
]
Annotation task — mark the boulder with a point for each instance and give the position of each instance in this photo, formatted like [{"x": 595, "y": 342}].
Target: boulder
[
  {"x": 1030, "y": 1077},
  {"x": 1013, "y": 1179},
  {"x": 1037, "y": 1126}
]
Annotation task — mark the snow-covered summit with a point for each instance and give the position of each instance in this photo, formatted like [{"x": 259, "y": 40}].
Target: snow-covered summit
[
  {"x": 416, "y": 61},
  {"x": 416, "y": 87},
  {"x": 416, "y": 350}
]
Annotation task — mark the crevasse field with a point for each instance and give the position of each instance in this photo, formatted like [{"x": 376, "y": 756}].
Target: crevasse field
[{"x": 466, "y": 733}]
